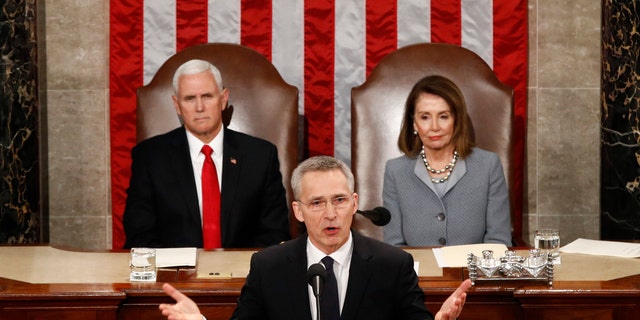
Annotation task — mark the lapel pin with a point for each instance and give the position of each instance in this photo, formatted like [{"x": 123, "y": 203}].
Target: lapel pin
[{"x": 233, "y": 160}]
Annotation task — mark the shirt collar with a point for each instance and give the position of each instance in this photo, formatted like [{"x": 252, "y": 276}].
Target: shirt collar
[
  {"x": 195, "y": 144},
  {"x": 314, "y": 255}
]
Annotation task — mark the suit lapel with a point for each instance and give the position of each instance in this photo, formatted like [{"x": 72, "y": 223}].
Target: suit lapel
[
  {"x": 231, "y": 165},
  {"x": 299, "y": 298},
  {"x": 359, "y": 277},
  {"x": 181, "y": 165}
]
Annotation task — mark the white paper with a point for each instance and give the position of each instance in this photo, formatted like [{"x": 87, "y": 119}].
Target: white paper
[
  {"x": 456, "y": 256},
  {"x": 603, "y": 248},
  {"x": 437, "y": 253},
  {"x": 176, "y": 257}
]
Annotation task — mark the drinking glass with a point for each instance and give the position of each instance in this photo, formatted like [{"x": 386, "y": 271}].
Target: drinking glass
[
  {"x": 143, "y": 265},
  {"x": 548, "y": 242}
]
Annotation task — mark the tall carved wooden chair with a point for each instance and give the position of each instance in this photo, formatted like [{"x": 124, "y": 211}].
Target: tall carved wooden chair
[
  {"x": 377, "y": 108},
  {"x": 260, "y": 103}
]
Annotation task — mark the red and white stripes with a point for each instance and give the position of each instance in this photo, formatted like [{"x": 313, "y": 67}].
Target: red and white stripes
[{"x": 322, "y": 47}]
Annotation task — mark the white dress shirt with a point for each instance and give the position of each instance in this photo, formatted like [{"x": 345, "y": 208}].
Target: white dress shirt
[
  {"x": 341, "y": 265},
  {"x": 197, "y": 160}
]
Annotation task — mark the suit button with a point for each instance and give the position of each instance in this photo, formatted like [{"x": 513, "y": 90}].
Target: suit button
[
  {"x": 442, "y": 241},
  {"x": 440, "y": 216}
]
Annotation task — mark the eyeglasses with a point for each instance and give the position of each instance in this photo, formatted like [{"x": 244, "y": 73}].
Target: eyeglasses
[{"x": 340, "y": 202}]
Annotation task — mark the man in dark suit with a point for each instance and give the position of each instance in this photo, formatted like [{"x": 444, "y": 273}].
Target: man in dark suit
[
  {"x": 164, "y": 199},
  {"x": 374, "y": 280}
]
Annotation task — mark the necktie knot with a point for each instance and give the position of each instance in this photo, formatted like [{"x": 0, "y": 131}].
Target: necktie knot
[
  {"x": 328, "y": 263},
  {"x": 206, "y": 150}
]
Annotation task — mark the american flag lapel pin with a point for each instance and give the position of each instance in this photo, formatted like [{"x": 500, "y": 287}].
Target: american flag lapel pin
[{"x": 234, "y": 161}]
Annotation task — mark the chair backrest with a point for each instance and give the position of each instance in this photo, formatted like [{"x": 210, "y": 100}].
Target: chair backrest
[
  {"x": 260, "y": 103},
  {"x": 377, "y": 107}
]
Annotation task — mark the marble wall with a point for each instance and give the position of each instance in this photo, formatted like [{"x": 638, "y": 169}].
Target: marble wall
[
  {"x": 563, "y": 128},
  {"x": 20, "y": 218},
  {"x": 77, "y": 70},
  {"x": 563, "y": 142},
  {"x": 620, "y": 122}
]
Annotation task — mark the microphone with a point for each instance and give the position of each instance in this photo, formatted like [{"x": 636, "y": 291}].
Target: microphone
[
  {"x": 380, "y": 216},
  {"x": 315, "y": 277}
]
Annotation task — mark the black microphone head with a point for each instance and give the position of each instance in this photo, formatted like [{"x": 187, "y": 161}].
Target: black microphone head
[
  {"x": 316, "y": 270},
  {"x": 315, "y": 277},
  {"x": 383, "y": 215},
  {"x": 380, "y": 216}
]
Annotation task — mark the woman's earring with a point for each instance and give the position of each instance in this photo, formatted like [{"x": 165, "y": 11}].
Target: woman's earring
[{"x": 415, "y": 133}]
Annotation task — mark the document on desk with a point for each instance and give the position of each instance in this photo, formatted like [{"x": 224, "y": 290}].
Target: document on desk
[
  {"x": 603, "y": 248},
  {"x": 176, "y": 257},
  {"x": 456, "y": 256}
]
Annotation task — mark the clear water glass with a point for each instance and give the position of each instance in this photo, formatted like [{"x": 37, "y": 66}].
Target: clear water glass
[
  {"x": 143, "y": 265},
  {"x": 548, "y": 242}
]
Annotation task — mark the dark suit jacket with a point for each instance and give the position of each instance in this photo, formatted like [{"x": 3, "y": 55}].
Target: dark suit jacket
[
  {"x": 162, "y": 207},
  {"x": 382, "y": 284}
]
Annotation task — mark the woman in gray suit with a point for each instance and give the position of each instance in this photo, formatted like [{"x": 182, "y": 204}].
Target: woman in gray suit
[{"x": 443, "y": 190}]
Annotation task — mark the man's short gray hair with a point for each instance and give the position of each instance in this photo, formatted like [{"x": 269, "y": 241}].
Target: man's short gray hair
[
  {"x": 193, "y": 67},
  {"x": 319, "y": 163}
]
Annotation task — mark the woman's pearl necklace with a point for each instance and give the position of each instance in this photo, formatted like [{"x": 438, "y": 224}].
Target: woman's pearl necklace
[{"x": 448, "y": 168}]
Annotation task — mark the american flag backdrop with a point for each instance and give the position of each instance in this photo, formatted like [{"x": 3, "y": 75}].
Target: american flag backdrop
[{"x": 322, "y": 47}]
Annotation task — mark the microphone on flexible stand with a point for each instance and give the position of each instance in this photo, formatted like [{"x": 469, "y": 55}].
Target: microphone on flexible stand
[
  {"x": 315, "y": 277},
  {"x": 380, "y": 216}
]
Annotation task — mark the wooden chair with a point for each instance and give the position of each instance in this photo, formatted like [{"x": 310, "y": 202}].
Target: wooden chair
[
  {"x": 260, "y": 103},
  {"x": 377, "y": 108}
]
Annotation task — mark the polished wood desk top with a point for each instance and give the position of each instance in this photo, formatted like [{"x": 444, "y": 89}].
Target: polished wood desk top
[
  {"x": 48, "y": 270},
  {"x": 46, "y": 264}
]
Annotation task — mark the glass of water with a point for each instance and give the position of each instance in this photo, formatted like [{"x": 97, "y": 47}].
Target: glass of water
[
  {"x": 143, "y": 265},
  {"x": 547, "y": 241}
]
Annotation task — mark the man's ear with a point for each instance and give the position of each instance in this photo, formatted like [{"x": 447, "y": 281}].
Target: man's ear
[
  {"x": 356, "y": 205},
  {"x": 297, "y": 211}
]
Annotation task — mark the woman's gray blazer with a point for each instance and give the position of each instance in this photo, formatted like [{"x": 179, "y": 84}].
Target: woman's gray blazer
[{"x": 474, "y": 208}]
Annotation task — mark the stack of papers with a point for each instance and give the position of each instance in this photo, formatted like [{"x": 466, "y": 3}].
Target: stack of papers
[
  {"x": 603, "y": 248},
  {"x": 176, "y": 257},
  {"x": 456, "y": 256}
]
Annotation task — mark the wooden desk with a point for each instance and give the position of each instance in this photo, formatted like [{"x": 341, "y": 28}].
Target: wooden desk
[{"x": 35, "y": 300}]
